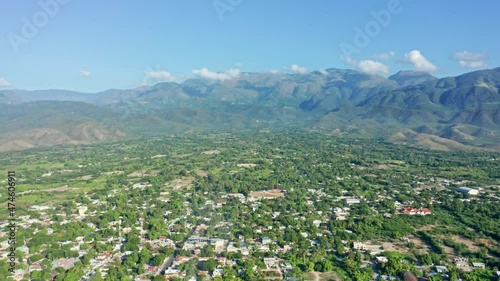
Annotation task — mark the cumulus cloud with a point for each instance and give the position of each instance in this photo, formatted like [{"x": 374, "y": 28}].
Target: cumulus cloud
[
  {"x": 420, "y": 63},
  {"x": 373, "y": 67},
  {"x": 159, "y": 76},
  {"x": 467, "y": 59},
  {"x": 323, "y": 71},
  {"x": 384, "y": 56},
  {"x": 298, "y": 69},
  {"x": 4, "y": 83},
  {"x": 349, "y": 61},
  {"x": 85, "y": 73},
  {"x": 367, "y": 66},
  {"x": 211, "y": 75}
]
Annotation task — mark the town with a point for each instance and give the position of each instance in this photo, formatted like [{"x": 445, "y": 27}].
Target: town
[{"x": 231, "y": 207}]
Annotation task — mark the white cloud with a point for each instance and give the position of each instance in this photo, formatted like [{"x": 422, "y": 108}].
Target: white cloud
[
  {"x": 467, "y": 59},
  {"x": 85, "y": 73},
  {"x": 211, "y": 75},
  {"x": 323, "y": 71},
  {"x": 238, "y": 64},
  {"x": 349, "y": 61},
  {"x": 367, "y": 66},
  {"x": 373, "y": 67},
  {"x": 298, "y": 69},
  {"x": 234, "y": 73},
  {"x": 384, "y": 56},
  {"x": 159, "y": 76},
  {"x": 4, "y": 83},
  {"x": 274, "y": 71},
  {"x": 420, "y": 63}
]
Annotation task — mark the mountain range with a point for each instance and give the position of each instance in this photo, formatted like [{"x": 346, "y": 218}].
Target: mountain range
[{"x": 409, "y": 107}]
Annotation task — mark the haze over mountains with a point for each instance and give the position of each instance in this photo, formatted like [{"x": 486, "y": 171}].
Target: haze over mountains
[{"x": 409, "y": 107}]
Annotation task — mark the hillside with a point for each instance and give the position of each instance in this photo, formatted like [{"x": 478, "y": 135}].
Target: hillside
[
  {"x": 456, "y": 112},
  {"x": 47, "y": 123}
]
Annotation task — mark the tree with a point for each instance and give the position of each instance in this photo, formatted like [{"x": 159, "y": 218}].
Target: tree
[
  {"x": 310, "y": 266},
  {"x": 207, "y": 251},
  {"x": 358, "y": 256},
  {"x": 327, "y": 265},
  {"x": 209, "y": 265},
  {"x": 144, "y": 256},
  {"x": 132, "y": 260},
  {"x": 339, "y": 246},
  {"x": 318, "y": 266},
  {"x": 34, "y": 258},
  {"x": 159, "y": 278},
  {"x": 158, "y": 259},
  {"x": 86, "y": 259},
  {"x": 97, "y": 276},
  {"x": 426, "y": 259}
]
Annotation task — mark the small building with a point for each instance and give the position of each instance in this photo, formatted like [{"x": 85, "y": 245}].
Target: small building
[
  {"x": 288, "y": 266},
  {"x": 382, "y": 259},
  {"x": 217, "y": 243},
  {"x": 415, "y": 211},
  {"x": 64, "y": 263},
  {"x": 317, "y": 223},
  {"x": 231, "y": 248},
  {"x": 217, "y": 272},
  {"x": 467, "y": 190},
  {"x": 82, "y": 210},
  {"x": 222, "y": 260},
  {"x": 358, "y": 246},
  {"x": 245, "y": 251},
  {"x": 36, "y": 266},
  {"x": 479, "y": 265},
  {"x": 271, "y": 262},
  {"x": 264, "y": 248},
  {"x": 441, "y": 269},
  {"x": 351, "y": 201}
]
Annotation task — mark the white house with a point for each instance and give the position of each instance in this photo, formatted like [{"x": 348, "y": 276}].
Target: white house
[{"x": 468, "y": 190}]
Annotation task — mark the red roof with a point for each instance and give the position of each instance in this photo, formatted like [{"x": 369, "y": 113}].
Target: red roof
[{"x": 415, "y": 210}]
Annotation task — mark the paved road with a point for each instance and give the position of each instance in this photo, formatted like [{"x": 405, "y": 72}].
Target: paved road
[{"x": 166, "y": 264}]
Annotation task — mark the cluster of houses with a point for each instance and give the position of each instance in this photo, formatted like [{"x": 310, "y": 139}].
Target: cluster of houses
[{"x": 196, "y": 241}]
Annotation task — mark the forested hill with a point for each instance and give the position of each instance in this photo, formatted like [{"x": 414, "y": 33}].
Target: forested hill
[{"x": 409, "y": 107}]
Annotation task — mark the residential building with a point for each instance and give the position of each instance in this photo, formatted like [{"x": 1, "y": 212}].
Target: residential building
[{"x": 467, "y": 190}]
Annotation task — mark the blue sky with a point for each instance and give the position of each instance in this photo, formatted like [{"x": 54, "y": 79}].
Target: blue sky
[{"x": 94, "y": 45}]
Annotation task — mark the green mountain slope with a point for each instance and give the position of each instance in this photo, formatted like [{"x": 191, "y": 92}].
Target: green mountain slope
[{"x": 406, "y": 107}]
